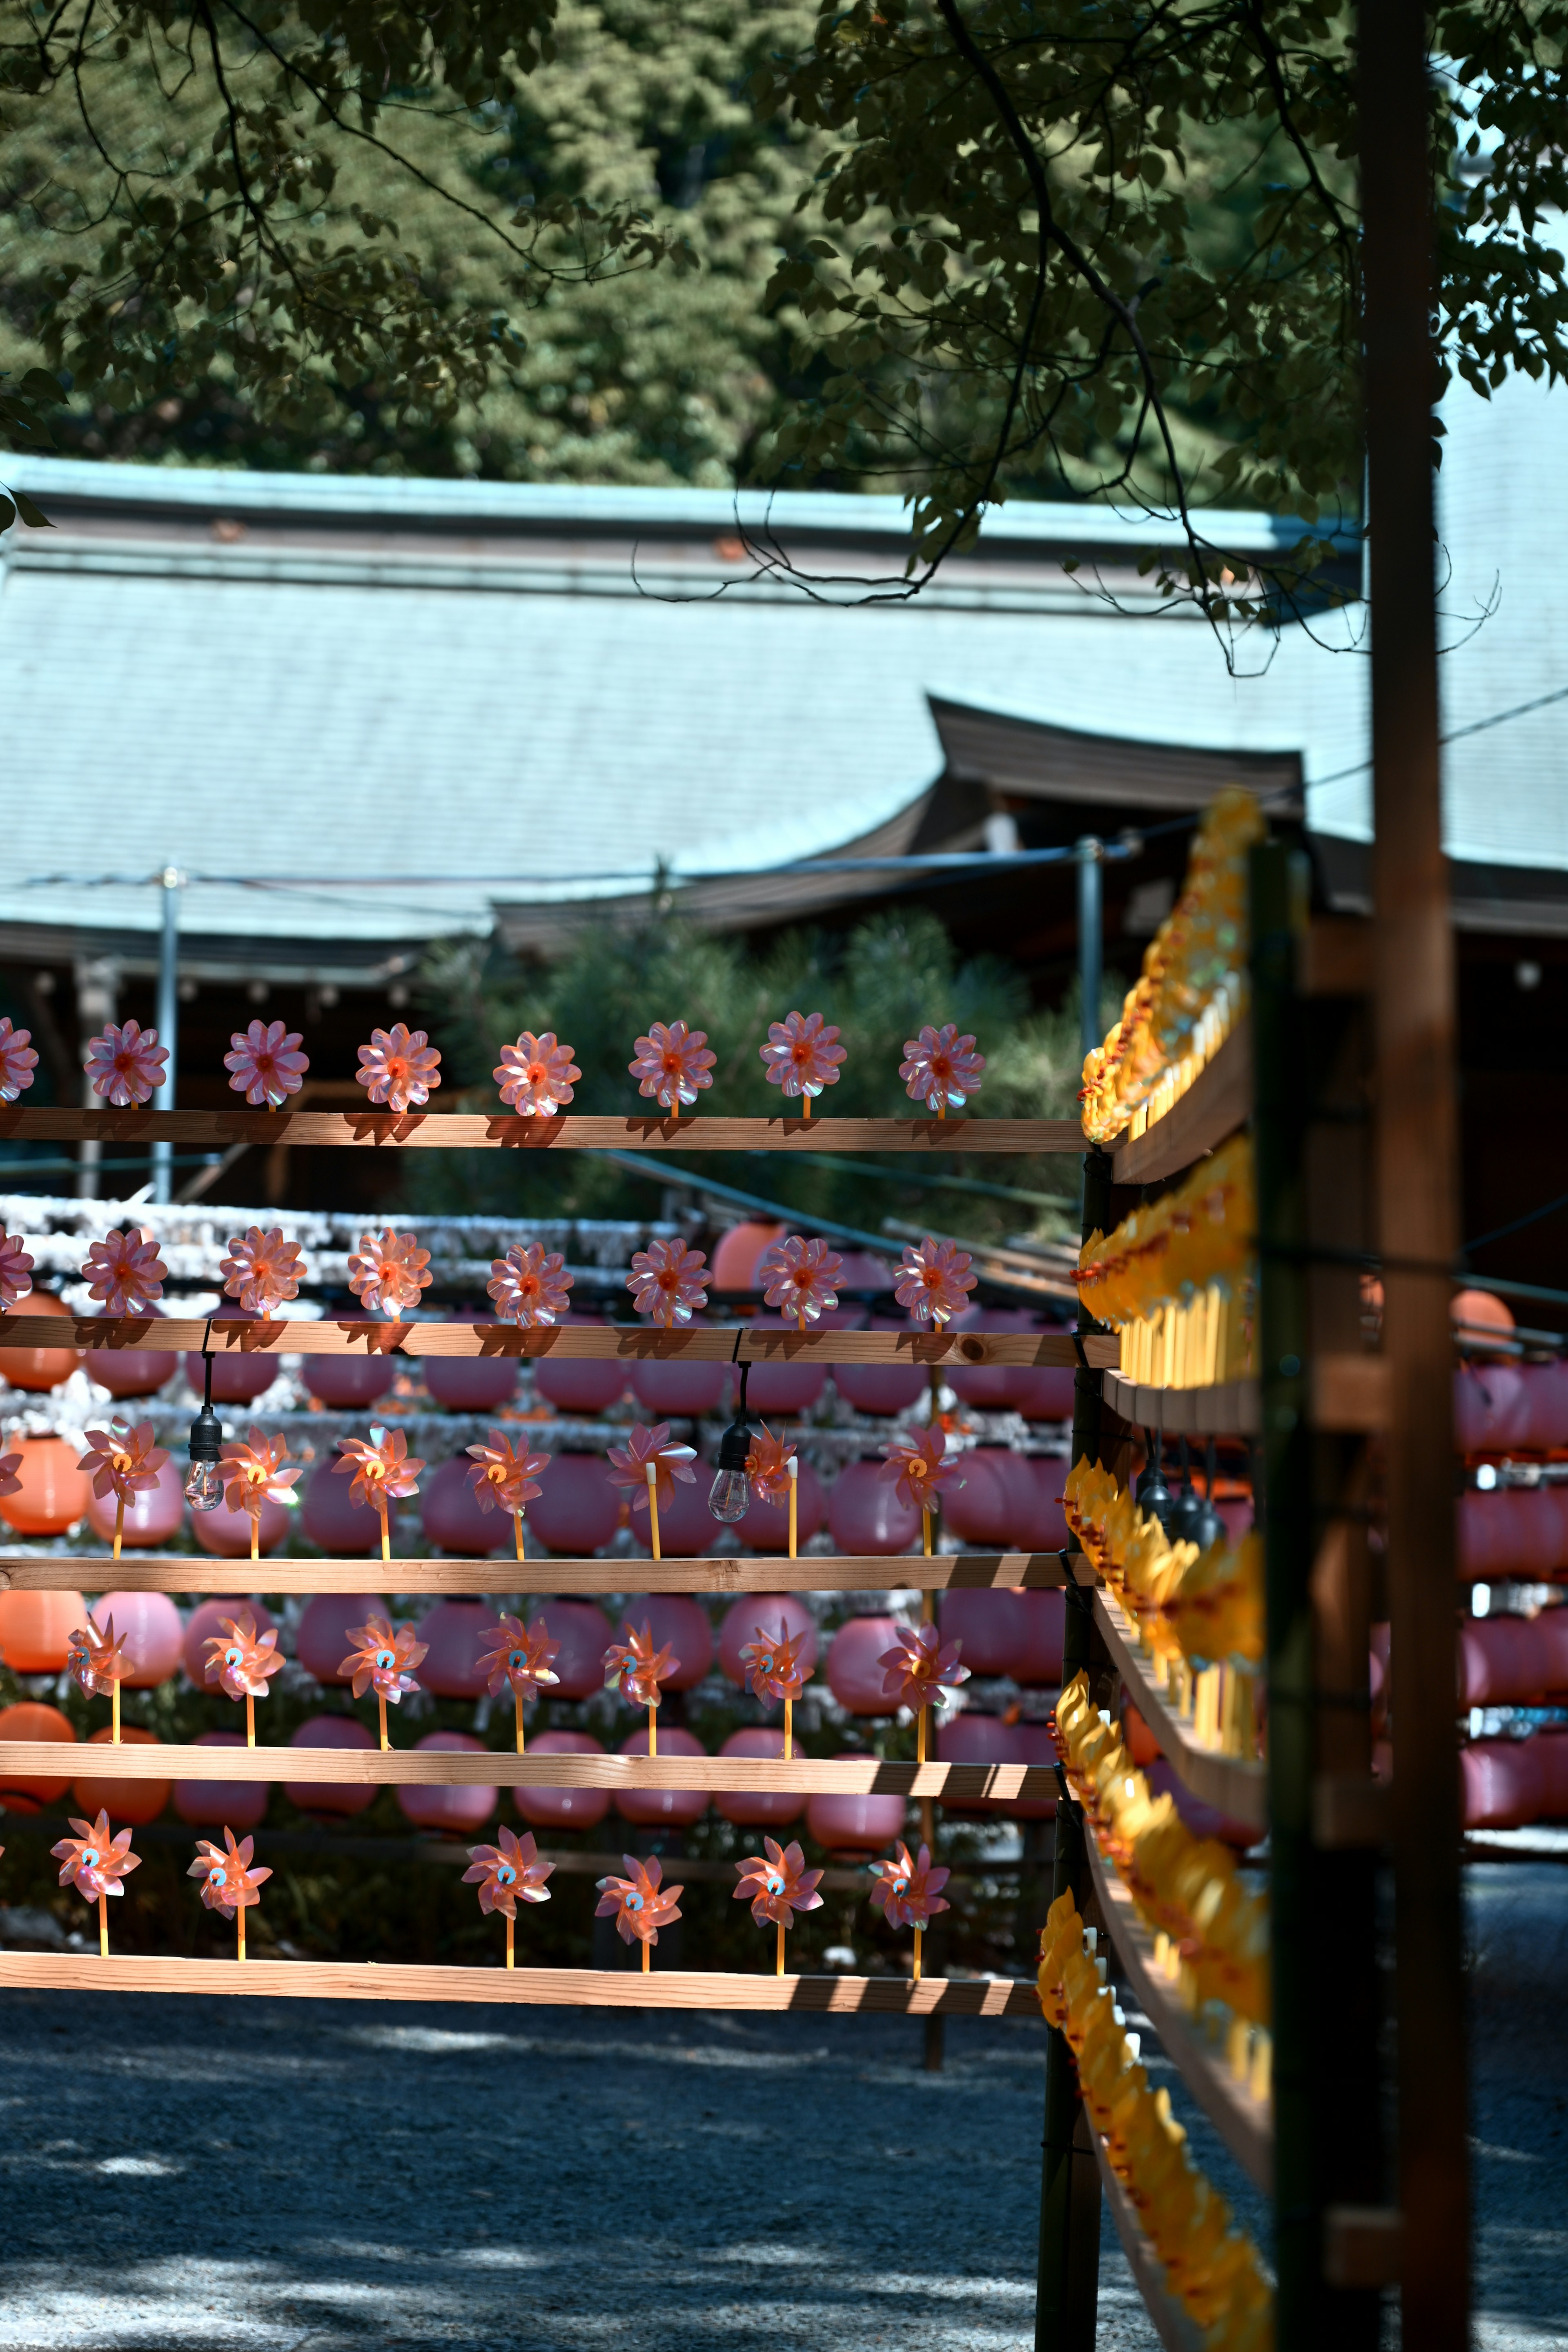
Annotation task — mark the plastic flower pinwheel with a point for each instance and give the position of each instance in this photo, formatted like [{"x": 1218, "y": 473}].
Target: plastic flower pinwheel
[
  {"x": 641, "y": 1904},
  {"x": 798, "y": 1276},
  {"x": 262, "y": 1270},
  {"x": 773, "y": 1665},
  {"x": 96, "y": 1660},
  {"x": 530, "y": 1285},
  {"x": 17, "y": 1060},
  {"x": 254, "y": 1473},
  {"x": 672, "y": 1064},
  {"x": 909, "y": 1892},
  {"x": 522, "y": 1658},
  {"x": 507, "y": 1875},
  {"x": 776, "y": 1884},
  {"x": 941, "y": 1068},
  {"x": 536, "y": 1076},
  {"x": 229, "y": 1882},
  {"x": 387, "y": 1272},
  {"x": 239, "y": 1661},
  {"x": 649, "y": 1466},
  {"x": 920, "y": 1467},
  {"x": 95, "y": 1864},
  {"x": 15, "y": 1271},
  {"x": 667, "y": 1282},
  {"x": 123, "y": 1462},
  {"x": 505, "y": 1480},
  {"x": 398, "y": 1067},
  {"x": 918, "y": 1669},
  {"x": 768, "y": 1461},
  {"x": 636, "y": 1668},
  {"x": 383, "y": 1663},
  {"x": 802, "y": 1056},
  {"x": 125, "y": 1064},
  {"x": 933, "y": 1280},
  {"x": 9, "y": 1485},
  {"x": 385, "y": 1471},
  {"x": 125, "y": 1271},
  {"x": 267, "y": 1064}
]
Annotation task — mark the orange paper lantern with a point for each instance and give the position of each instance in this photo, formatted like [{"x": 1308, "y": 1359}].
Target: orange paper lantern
[
  {"x": 41, "y": 1368},
  {"x": 54, "y": 1494},
  {"x": 128, "y": 1803},
  {"x": 36, "y": 1629},
  {"x": 18, "y": 1793}
]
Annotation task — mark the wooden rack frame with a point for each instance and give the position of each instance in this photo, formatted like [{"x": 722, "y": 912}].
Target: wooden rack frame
[{"x": 732, "y": 1572}]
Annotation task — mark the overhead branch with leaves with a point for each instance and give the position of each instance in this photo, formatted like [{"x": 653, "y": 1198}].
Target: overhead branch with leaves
[{"x": 1053, "y": 236}]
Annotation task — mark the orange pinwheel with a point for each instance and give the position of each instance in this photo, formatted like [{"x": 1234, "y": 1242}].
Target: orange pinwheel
[
  {"x": 908, "y": 1893},
  {"x": 398, "y": 1067},
  {"x": 639, "y": 1904},
  {"x": 507, "y": 1875},
  {"x": 96, "y": 1660},
  {"x": 93, "y": 1862},
  {"x": 773, "y": 1665},
  {"x": 636, "y": 1668},
  {"x": 382, "y": 1661},
  {"x": 262, "y": 1270},
  {"x": 933, "y": 1281},
  {"x": 229, "y": 1882},
  {"x": 389, "y": 1271},
  {"x": 777, "y": 1885}
]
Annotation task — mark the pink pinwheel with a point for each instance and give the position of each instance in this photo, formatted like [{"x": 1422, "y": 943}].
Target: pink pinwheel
[
  {"x": 387, "y": 1272},
  {"x": 536, "y": 1076},
  {"x": 777, "y": 1885},
  {"x": 15, "y": 1271},
  {"x": 398, "y": 1067},
  {"x": 125, "y": 1271},
  {"x": 383, "y": 1473},
  {"x": 239, "y": 1661},
  {"x": 920, "y": 1667},
  {"x": 802, "y": 1054},
  {"x": 95, "y": 1864},
  {"x": 933, "y": 1280},
  {"x": 383, "y": 1661},
  {"x": 639, "y": 1904},
  {"x": 773, "y": 1665},
  {"x": 262, "y": 1270},
  {"x": 671, "y": 1064},
  {"x": 768, "y": 1460},
  {"x": 629, "y": 1464},
  {"x": 10, "y": 1485},
  {"x": 667, "y": 1282},
  {"x": 17, "y": 1060},
  {"x": 519, "y": 1657},
  {"x": 942, "y": 1068},
  {"x": 909, "y": 1892},
  {"x": 96, "y": 1659},
  {"x": 123, "y": 1461},
  {"x": 530, "y": 1285},
  {"x": 507, "y": 1875},
  {"x": 255, "y": 1474},
  {"x": 798, "y": 1276},
  {"x": 267, "y": 1064},
  {"x": 229, "y": 1882},
  {"x": 636, "y": 1668},
  {"x": 125, "y": 1064},
  {"x": 920, "y": 1467},
  {"x": 503, "y": 1478}
]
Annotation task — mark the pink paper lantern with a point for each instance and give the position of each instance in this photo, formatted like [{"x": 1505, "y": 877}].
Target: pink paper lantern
[
  {"x": 454, "y": 1633},
  {"x": 881, "y": 1388},
  {"x": 1015, "y": 1634},
  {"x": 854, "y": 1827},
  {"x": 451, "y": 1516},
  {"x": 342, "y": 1527},
  {"x": 1041, "y": 1523},
  {"x": 202, "y": 1626},
  {"x": 778, "y": 1390},
  {"x": 342, "y": 1799},
  {"x": 1046, "y": 1391},
  {"x": 239, "y": 1805},
  {"x": 152, "y": 1518},
  {"x": 563, "y": 1808},
  {"x": 854, "y": 1676},
  {"x": 585, "y": 1634},
  {"x": 757, "y": 1810},
  {"x": 772, "y": 1611},
  {"x": 981, "y": 1504},
  {"x": 1546, "y": 1428},
  {"x": 1502, "y": 1782},
  {"x": 577, "y": 1510},
  {"x": 674, "y": 1809},
  {"x": 687, "y": 1528},
  {"x": 130, "y": 1371},
  {"x": 585, "y": 1386},
  {"x": 862, "y": 1271},
  {"x": 765, "y": 1527},
  {"x": 346, "y": 1382},
  {"x": 471, "y": 1383},
  {"x": 227, "y": 1534},
  {"x": 989, "y": 1386},
  {"x": 671, "y": 1390},
  {"x": 152, "y": 1630},
  {"x": 322, "y": 1642},
  {"x": 864, "y": 1516},
  {"x": 1552, "y": 1773},
  {"x": 987, "y": 1739},
  {"x": 684, "y": 1623},
  {"x": 238, "y": 1379},
  {"x": 455, "y": 1811},
  {"x": 1509, "y": 1661}
]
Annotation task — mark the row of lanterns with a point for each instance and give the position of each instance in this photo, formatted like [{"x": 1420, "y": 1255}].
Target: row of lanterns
[{"x": 1006, "y": 1501}]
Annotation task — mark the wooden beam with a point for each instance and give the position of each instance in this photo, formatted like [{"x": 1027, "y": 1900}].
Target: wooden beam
[
  {"x": 444, "y": 1768},
  {"x": 740, "y": 1343},
  {"x": 481, "y": 1131},
  {"x": 1230, "y": 1783},
  {"x": 1230, "y": 1410},
  {"x": 1218, "y": 1101},
  {"x": 731, "y": 1573},
  {"x": 1350, "y": 1395}
]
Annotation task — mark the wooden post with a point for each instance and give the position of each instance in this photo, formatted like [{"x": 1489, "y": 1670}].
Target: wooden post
[{"x": 1416, "y": 1164}]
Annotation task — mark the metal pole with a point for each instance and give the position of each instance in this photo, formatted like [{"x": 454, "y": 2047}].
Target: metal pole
[
  {"x": 1090, "y": 924},
  {"x": 170, "y": 881},
  {"x": 1416, "y": 1158}
]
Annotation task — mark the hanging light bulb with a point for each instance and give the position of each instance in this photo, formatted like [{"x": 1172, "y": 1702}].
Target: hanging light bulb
[
  {"x": 203, "y": 1481},
  {"x": 730, "y": 1496}
]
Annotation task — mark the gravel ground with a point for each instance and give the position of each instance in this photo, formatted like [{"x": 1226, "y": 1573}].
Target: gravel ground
[{"x": 284, "y": 2175}]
